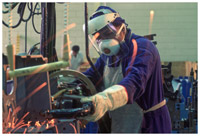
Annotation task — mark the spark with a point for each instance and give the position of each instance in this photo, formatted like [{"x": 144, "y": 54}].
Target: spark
[
  {"x": 47, "y": 126},
  {"x": 29, "y": 123},
  {"x": 68, "y": 27},
  {"x": 13, "y": 120},
  {"x": 8, "y": 118},
  {"x": 73, "y": 127},
  {"x": 23, "y": 125},
  {"x": 16, "y": 110},
  {"x": 22, "y": 119},
  {"x": 37, "y": 124},
  {"x": 18, "y": 125},
  {"x": 52, "y": 122},
  {"x": 25, "y": 131},
  {"x": 31, "y": 129},
  {"x": 92, "y": 43},
  {"x": 33, "y": 92},
  {"x": 56, "y": 129},
  {"x": 9, "y": 125}
]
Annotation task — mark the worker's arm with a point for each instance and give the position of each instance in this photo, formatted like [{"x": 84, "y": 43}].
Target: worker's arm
[
  {"x": 138, "y": 73},
  {"x": 108, "y": 100},
  {"x": 118, "y": 95},
  {"x": 90, "y": 73}
]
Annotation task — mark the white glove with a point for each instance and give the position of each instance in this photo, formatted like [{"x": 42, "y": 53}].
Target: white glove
[{"x": 108, "y": 100}]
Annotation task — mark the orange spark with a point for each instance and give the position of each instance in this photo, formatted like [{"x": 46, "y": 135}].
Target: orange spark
[
  {"x": 31, "y": 129},
  {"x": 20, "y": 127},
  {"x": 9, "y": 125},
  {"x": 52, "y": 122},
  {"x": 13, "y": 124},
  {"x": 29, "y": 123},
  {"x": 47, "y": 126},
  {"x": 94, "y": 39},
  {"x": 21, "y": 120},
  {"x": 33, "y": 92},
  {"x": 37, "y": 124},
  {"x": 56, "y": 129},
  {"x": 16, "y": 110},
  {"x": 68, "y": 27},
  {"x": 8, "y": 118},
  {"x": 73, "y": 127},
  {"x": 39, "y": 69},
  {"x": 25, "y": 131}
]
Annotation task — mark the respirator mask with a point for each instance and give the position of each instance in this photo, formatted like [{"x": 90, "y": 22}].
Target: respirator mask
[
  {"x": 106, "y": 42},
  {"x": 104, "y": 36}
]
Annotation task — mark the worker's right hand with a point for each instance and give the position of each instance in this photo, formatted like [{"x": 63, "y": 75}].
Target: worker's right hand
[{"x": 110, "y": 99}]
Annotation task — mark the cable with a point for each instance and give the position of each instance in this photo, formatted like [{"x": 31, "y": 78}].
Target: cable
[
  {"x": 20, "y": 20},
  {"x": 33, "y": 24},
  {"x": 12, "y": 7},
  {"x": 26, "y": 24},
  {"x": 33, "y": 48},
  {"x": 26, "y": 20}
]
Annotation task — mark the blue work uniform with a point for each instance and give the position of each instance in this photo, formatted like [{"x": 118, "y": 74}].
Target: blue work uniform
[{"x": 143, "y": 82}]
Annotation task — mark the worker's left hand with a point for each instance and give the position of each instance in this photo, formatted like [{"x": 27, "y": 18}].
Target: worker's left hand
[{"x": 110, "y": 99}]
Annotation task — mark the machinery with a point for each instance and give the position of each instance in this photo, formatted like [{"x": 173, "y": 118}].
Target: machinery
[
  {"x": 182, "y": 97},
  {"x": 36, "y": 99}
]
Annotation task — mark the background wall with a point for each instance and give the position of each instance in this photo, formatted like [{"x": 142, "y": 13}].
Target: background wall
[{"x": 174, "y": 23}]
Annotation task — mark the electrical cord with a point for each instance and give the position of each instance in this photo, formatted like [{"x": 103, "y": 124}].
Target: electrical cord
[
  {"x": 26, "y": 20},
  {"x": 26, "y": 24},
  {"x": 33, "y": 48},
  {"x": 33, "y": 24},
  {"x": 7, "y": 11},
  {"x": 20, "y": 11}
]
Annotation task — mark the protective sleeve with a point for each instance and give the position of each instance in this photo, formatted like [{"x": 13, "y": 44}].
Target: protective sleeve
[{"x": 140, "y": 71}]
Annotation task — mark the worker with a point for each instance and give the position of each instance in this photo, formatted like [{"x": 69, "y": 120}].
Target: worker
[
  {"x": 76, "y": 58},
  {"x": 131, "y": 70}
]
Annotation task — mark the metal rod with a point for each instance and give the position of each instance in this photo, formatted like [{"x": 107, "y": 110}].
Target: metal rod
[
  {"x": 38, "y": 69},
  {"x": 86, "y": 42},
  {"x": 11, "y": 56}
]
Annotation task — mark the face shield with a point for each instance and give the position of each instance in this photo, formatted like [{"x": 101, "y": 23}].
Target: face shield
[
  {"x": 103, "y": 36},
  {"x": 106, "y": 43}
]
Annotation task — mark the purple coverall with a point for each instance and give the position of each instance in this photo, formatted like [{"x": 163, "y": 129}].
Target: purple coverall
[{"x": 143, "y": 82}]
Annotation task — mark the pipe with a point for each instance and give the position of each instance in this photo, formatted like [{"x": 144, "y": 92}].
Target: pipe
[
  {"x": 86, "y": 42},
  {"x": 38, "y": 69}
]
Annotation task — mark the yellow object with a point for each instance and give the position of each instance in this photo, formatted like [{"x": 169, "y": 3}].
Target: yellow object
[
  {"x": 18, "y": 44},
  {"x": 11, "y": 55},
  {"x": 157, "y": 106},
  {"x": 66, "y": 48}
]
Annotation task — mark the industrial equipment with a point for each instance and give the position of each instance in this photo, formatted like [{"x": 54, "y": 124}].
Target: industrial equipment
[
  {"x": 39, "y": 97},
  {"x": 36, "y": 99},
  {"x": 181, "y": 94}
]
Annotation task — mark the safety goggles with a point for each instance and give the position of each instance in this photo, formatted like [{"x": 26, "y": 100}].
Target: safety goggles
[{"x": 108, "y": 32}]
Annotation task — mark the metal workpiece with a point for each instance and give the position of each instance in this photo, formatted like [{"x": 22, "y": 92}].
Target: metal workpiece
[
  {"x": 38, "y": 69},
  {"x": 11, "y": 55},
  {"x": 33, "y": 69},
  {"x": 72, "y": 73},
  {"x": 86, "y": 109}
]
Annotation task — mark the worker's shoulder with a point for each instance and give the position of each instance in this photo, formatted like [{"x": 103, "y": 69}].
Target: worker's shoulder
[{"x": 146, "y": 44}]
